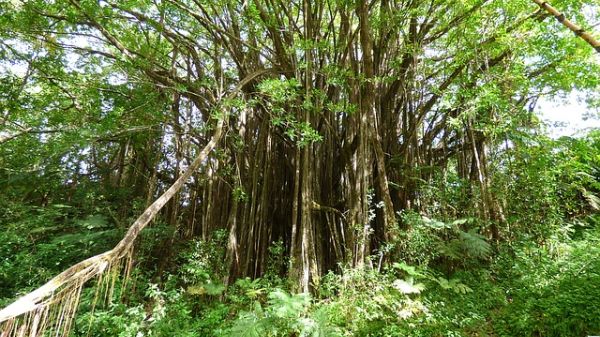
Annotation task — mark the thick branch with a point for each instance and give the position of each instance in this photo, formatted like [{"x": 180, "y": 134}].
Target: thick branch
[{"x": 587, "y": 37}]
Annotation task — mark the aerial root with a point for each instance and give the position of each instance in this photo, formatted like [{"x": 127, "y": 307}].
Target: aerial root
[{"x": 54, "y": 316}]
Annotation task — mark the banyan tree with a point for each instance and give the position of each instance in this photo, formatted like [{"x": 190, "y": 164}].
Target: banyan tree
[{"x": 313, "y": 123}]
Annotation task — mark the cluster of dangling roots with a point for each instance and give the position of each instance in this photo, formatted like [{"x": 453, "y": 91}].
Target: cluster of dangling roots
[{"x": 53, "y": 313}]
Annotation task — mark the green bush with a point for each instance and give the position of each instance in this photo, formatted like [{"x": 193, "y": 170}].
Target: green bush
[{"x": 554, "y": 295}]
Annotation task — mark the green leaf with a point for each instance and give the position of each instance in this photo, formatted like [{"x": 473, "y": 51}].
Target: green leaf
[{"x": 408, "y": 286}]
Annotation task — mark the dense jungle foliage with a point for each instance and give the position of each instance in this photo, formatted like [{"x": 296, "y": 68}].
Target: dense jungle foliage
[{"x": 304, "y": 168}]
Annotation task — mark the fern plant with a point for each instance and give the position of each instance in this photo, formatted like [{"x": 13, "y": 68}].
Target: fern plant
[
  {"x": 285, "y": 315},
  {"x": 474, "y": 244}
]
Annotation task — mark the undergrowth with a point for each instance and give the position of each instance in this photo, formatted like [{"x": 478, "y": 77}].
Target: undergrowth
[
  {"x": 447, "y": 280},
  {"x": 523, "y": 290}
]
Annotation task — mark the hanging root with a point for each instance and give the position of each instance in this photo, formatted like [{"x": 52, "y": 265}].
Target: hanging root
[{"x": 54, "y": 314}]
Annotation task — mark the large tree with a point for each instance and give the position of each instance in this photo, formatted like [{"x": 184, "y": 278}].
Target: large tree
[{"x": 324, "y": 118}]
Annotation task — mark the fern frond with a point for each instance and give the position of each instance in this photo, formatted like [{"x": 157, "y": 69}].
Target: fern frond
[
  {"x": 284, "y": 305},
  {"x": 408, "y": 286},
  {"x": 474, "y": 244},
  {"x": 592, "y": 199}
]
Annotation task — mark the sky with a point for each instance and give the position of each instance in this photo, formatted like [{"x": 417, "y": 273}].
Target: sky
[{"x": 567, "y": 116}]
